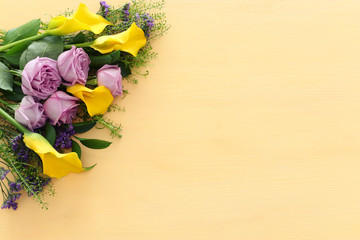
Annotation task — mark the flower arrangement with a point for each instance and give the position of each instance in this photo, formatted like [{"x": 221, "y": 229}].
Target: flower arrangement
[{"x": 58, "y": 79}]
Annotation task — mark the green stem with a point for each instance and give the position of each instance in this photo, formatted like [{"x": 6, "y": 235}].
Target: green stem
[
  {"x": 4, "y": 102},
  {"x": 87, "y": 44},
  {"x": 17, "y": 83},
  {"x": 3, "y": 192},
  {"x": 11, "y": 120},
  {"x": 33, "y": 38}
]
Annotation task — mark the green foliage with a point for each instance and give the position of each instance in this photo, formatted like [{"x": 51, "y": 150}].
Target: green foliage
[
  {"x": 82, "y": 127},
  {"x": 6, "y": 78},
  {"x": 115, "y": 129},
  {"x": 99, "y": 61},
  {"x": 93, "y": 143},
  {"x": 76, "y": 148},
  {"x": 115, "y": 107},
  {"x": 24, "y": 31},
  {"x": 50, "y": 133},
  {"x": 50, "y": 47}
]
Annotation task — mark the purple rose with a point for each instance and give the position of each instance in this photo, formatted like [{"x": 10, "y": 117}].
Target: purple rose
[
  {"x": 74, "y": 66},
  {"x": 40, "y": 77},
  {"x": 30, "y": 113},
  {"x": 61, "y": 108},
  {"x": 110, "y": 77}
]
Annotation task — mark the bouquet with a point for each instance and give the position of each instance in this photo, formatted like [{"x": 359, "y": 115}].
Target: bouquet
[{"x": 57, "y": 80}]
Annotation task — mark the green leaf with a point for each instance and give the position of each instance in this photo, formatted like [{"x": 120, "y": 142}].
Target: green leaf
[
  {"x": 13, "y": 106},
  {"x": 6, "y": 78},
  {"x": 79, "y": 38},
  {"x": 93, "y": 82},
  {"x": 94, "y": 143},
  {"x": 50, "y": 133},
  {"x": 16, "y": 95},
  {"x": 50, "y": 47},
  {"x": 76, "y": 148},
  {"x": 99, "y": 61},
  {"x": 125, "y": 69},
  {"x": 24, "y": 31},
  {"x": 89, "y": 168},
  {"x": 14, "y": 54},
  {"x": 82, "y": 127}
]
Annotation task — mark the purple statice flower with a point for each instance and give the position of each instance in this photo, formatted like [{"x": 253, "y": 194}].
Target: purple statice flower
[
  {"x": 105, "y": 7},
  {"x": 3, "y": 173},
  {"x": 15, "y": 186},
  {"x": 149, "y": 23},
  {"x": 145, "y": 22},
  {"x": 10, "y": 202},
  {"x": 15, "y": 142},
  {"x": 137, "y": 18},
  {"x": 63, "y": 136},
  {"x": 125, "y": 12},
  {"x": 22, "y": 152}
]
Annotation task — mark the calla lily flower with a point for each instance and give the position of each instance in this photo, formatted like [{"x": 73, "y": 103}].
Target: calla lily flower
[
  {"x": 129, "y": 41},
  {"x": 97, "y": 101},
  {"x": 55, "y": 164},
  {"x": 83, "y": 19}
]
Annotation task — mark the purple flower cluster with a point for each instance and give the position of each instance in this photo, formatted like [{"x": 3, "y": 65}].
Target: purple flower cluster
[
  {"x": 10, "y": 202},
  {"x": 20, "y": 149},
  {"x": 145, "y": 22},
  {"x": 149, "y": 23},
  {"x": 15, "y": 186},
  {"x": 63, "y": 136},
  {"x": 125, "y": 12},
  {"x": 105, "y": 7},
  {"x": 3, "y": 173}
]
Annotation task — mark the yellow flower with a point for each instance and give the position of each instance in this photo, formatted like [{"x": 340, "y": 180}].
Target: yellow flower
[
  {"x": 97, "y": 101},
  {"x": 129, "y": 41},
  {"x": 83, "y": 19},
  {"x": 54, "y": 164}
]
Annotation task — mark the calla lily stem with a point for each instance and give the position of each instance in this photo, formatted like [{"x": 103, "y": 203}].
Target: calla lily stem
[
  {"x": 78, "y": 45},
  {"x": 33, "y": 38},
  {"x": 11, "y": 120}
]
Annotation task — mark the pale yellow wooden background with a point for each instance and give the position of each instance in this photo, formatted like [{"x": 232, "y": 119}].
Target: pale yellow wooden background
[{"x": 248, "y": 127}]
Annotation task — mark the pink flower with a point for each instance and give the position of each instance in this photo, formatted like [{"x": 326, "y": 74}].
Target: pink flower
[
  {"x": 74, "y": 66},
  {"x": 30, "y": 113},
  {"x": 110, "y": 77},
  {"x": 61, "y": 108},
  {"x": 40, "y": 77}
]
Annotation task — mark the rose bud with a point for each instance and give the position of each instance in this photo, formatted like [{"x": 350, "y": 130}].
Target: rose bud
[
  {"x": 40, "y": 77},
  {"x": 110, "y": 77},
  {"x": 74, "y": 66},
  {"x": 30, "y": 113},
  {"x": 61, "y": 108}
]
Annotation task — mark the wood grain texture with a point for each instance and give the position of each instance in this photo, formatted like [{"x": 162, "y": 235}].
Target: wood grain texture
[{"x": 248, "y": 127}]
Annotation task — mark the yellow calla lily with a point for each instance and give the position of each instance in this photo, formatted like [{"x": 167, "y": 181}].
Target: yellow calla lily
[
  {"x": 83, "y": 19},
  {"x": 55, "y": 164},
  {"x": 97, "y": 101},
  {"x": 129, "y": 41}
]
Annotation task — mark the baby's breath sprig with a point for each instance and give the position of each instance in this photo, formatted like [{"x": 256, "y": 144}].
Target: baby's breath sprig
[
  {"x": 115, "y": 128},
  {"x": 116, "y": 107}
]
